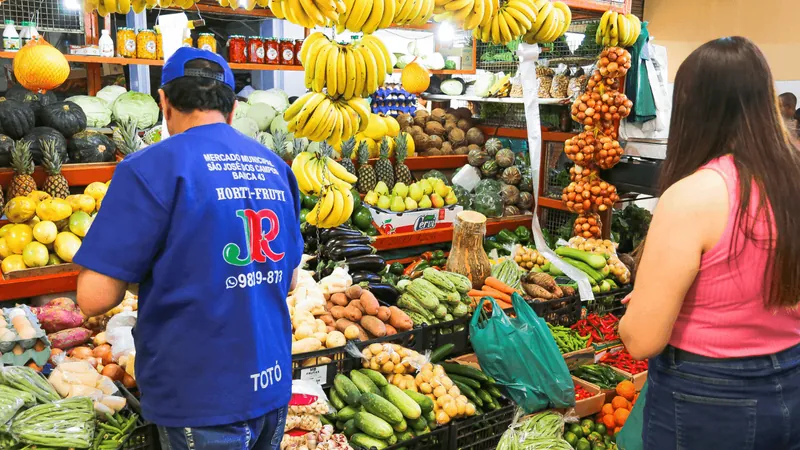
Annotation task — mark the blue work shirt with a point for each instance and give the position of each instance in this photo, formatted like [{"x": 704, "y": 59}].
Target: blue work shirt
[{"x": 207, "y": 221}]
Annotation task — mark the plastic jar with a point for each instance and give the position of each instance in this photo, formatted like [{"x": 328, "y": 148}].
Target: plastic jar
[
  {"x": 146, "y": 44},
  {"x": 159, "y": 45},
  {"x": 272, "y": 51},
  {"x": 207, "y": 41},
  {"x": 298, "y": 45},
  {"x": 126, "y": 43},
  {"x": 237, "y": 49},
  {"x": 187, "y": 38},
  {"x": 287, "y": 52},
  {"x": 11, "y": 41},
  {"x": 255, "y": 50},
  {"x": 106, "y": 44}
]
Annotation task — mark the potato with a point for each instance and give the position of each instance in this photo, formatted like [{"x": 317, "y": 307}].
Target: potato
[
  {"x": 342, "y": 324},
  {"x": 337, "y": 312},
  {"x": 351, "y": 332},
  {"x": 327, "y": 319},
  {"x": 384, "y": 313},
  {"x": 309, "y": 344},
  {"x": 390, "y": 330},
  {"x": 400, "y": 320},
  {"x": 339, "y": 299},
  {"x": 353, "y": 313},
  {"x": 369, "y": 302},
  {"x": 319, "y": 326},
  {"x": 358, "y": 304},
  {"x": 374, "y": 326},
  {"x": 329, "y": 305},
  {"x": 303, "y": 331},
  {"x": 335, "y": 339},
  {"x": 353, "y": 292},
  {"x": 321, "y": 336}
]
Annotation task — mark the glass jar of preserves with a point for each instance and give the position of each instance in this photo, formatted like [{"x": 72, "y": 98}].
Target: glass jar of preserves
[
  {"x": 207, "y": 41},
  {"x": 126, "y": 43},
  {"x": 237, "y": 49},
  {"x": 146, "y": 44},
  {"x": 255, "y": 50},
  {"x": 272, "y": 51},
  {"x": 159, "y": 45},
  {"x": 187, "y": 38},
  {"x": 298, "y": 45},
  {"x": 287, "y": 52}
]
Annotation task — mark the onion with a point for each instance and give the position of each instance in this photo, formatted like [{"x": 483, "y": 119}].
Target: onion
[
  {"x": 81, "y": 352},
  {"x": 104, "y": 353},
  {"x": 114, "y": 372},
  {"x": 128, "y": 381}
]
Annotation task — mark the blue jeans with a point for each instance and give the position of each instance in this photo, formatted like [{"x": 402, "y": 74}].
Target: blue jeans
[
  {"x": 263, "y": 433},
  {"x": 695, "y": 402}
]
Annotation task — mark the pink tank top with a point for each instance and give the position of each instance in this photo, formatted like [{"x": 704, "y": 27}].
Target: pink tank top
[{"x": 723, "y": 314}]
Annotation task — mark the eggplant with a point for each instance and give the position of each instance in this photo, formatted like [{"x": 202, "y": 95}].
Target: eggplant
[
  {"x": 369, "y": 277},
  {"x": 307, "y": 229},
  {"x": 367, "y": 263},
  {"x": 327, "y": 234},
  {"x": 349, "y": 251},
  {"x": 384, "y": 292},
  {"x": 348, "y": 240}
]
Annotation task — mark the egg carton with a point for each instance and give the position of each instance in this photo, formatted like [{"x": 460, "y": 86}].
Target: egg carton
[{"x": 17, "y": 350}]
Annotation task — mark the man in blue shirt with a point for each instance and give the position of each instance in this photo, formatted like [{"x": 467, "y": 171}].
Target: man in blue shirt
[{"x": 207, "y": 222}]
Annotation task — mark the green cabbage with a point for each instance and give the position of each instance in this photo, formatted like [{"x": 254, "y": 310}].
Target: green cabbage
[
  {"x": 241, "y": 110},
  {"x": 278, "y": 124},
  {"x": 110, "y": 93},
  {"x": 263, "y": 114},
  {"x": 276, "y": 98},
  {"x": 484, "y": 83},
  {"x": 136, "y": 106},
  {"x": 246, "y": 126},
  {"x": 433, "y": 61},
  {"x": 96, "y": 109}
]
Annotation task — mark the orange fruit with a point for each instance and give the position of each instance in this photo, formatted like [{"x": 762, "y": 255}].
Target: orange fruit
[
  {"x": 609, "y": 422},
  {"x": 626, "y": 389},
  {"x": 619, "y": 402},
  {"x": 616, "y": 430},
  {"x": 620, "y": 416},
  {"x": 607, "y": 409}
]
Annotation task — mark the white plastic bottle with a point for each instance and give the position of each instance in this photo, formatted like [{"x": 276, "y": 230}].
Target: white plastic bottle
[
  {"x": 32, "y": 33},
  {"x": 10, "y": 37},
  {"x": 106, "y": 45},
  {"x": 24, "y": 34}
]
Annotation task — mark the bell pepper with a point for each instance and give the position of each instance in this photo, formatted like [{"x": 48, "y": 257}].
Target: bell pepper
[
  {"x": 427, "y": 256},
  {"x": 396, "y": 268},
  {"x": 419, "y": 264},
  {"x": 506, "y": 237},
  {"x": 438, "y": 254},
  {"x": 523, "y": 235}
]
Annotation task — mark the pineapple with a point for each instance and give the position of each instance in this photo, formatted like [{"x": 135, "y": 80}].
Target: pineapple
[
  {"x": 55, "y": 184},
  {"x": 126, "y": 136},
  {"x": 383, "y": 168},
  {"x": 366, "y": 173},
  {"x": 402, "y": 173},
  {"x": 21, "y": 160},
  {"x": 348, "y": 147},
  {"x": 299, "y": 145},
  {"x": 280, "y": 143}
]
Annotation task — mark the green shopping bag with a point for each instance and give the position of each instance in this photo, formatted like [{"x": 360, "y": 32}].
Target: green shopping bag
[
  {"x": 630, "y": 436},
  {"x": 520, "y": 354}
]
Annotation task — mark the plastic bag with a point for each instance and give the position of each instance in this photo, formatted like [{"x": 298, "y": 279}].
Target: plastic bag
[
  {"x": 560, "y": 85},
  {"x": 487, "y": 199},
  {"x": 9, "y": 405},
  {"x": 520, "y": 354},
  {"x": 539, "y": 431},
  {"x": 389, "y": 358},
  {"x": 69, "y": 422},
  {"x": 119, "y": 334},
  {"x": 27, "y": 380},
  {"x": 630, "y": 437}
]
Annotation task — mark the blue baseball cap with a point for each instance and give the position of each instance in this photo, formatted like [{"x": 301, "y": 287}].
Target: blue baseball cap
[{"x": 175, "y": 68}]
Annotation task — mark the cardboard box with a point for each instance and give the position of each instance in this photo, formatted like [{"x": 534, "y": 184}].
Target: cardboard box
[
  {"x": 388, "y": 222},
  {"x": 592, "y": 405},
  {"x": 579, "y": 358},
  {"x": 638, "y": 379},
  {"x": 84, "y": 50}
]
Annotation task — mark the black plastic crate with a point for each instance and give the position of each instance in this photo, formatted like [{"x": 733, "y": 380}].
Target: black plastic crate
[
  {"x": 454, "y": 332},
  {"x": 610, "y": 302},
  {"x": 481, "y": 432},
  {"x": 435, "y": 440},
  {"x": 563, "y": 311},
  {"x": 144, "y": 437}
]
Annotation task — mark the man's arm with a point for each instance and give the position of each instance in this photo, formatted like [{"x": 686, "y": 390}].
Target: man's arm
[{"x": 98, "y": 293}]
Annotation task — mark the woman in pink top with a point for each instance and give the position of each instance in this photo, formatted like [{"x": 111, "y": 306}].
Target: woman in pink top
[{"x": 715, "y": 304}]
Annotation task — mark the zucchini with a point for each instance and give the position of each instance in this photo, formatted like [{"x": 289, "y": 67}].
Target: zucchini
[
  {"x": 593, "y": 275},
  {"x": 346, "y": 413},
  {"x": 367, "y": 442},
  {"x": 593, "y": 260},
  {"x": 465, "y": 371},
  {"x": 471, "y": 382},
  {"x": 346, "y": 389},
  {"x": 441, "y": 295},
  {"x": 379, "y": 406},
  {"x": 400, "y": 427},
  {"x": 407, "y": 406},
  {"x": 440, "y": 312},
  {"x": 425, "y": 403},
  {"x": 410, "y": 303},
  {"x": 418, "y": 424},
  {"x": 460, "y": 282},
  {"x": 336, "y": 401},
  {"x": 487, "y": 399},
  {"x": 441, "y": 352},
  {"x": 373, "y": 425},
  {"x": 349, "y": 428},
  {"x": 376, "y": 377},
  {"x": 438, "y": 279},
  {"x": 392, "y": 440},
  {"x": 422, "y": 294},
  {"x": 364, "y": 383}
]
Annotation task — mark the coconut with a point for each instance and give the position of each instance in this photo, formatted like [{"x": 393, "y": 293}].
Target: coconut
[
  {"x": 421, "y": 113},
  {"x": 475, "y": 136},
  {"x": 463, "y": 113},
  {"x": 434, "y": 152},
  {"x": 421, "y": 140},
  {"x": 405, "y": 120},
  {"x": 464, "y": 124},
  {"x": 449, "y": 125},
  {"x": 457, "y": 137},
  {"x": 417, "y": 129},
  {"x": 447, "y": 148},
  {"x": 462, "y": 151},
  {"x": 450, "y": 117},
  {"x": 438, "y": 115},
  {"x": 435, "y": 142},
  {"x": 434, "y": 128}
]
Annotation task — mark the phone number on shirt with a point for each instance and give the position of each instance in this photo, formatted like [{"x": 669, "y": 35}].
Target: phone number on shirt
[{"x": 255, "y": 278}]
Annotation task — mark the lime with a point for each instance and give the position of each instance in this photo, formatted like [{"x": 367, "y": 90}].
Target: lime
[
  {"x": 571, "y": 439},
  {"x": 600, "y": 429},
  {"x": 310, "y": 201},
  {"x": 587, "y": 430},
  {"x": 35, "y": 254},
  {"x": 356, "y": 198},
  {"x": 595, "y": 437},
  {"x": 587, "y": 423},
  {"x": 362, "y": 218},
  {"x": 598, "y": 446},
  {"x": 576, "y": 430},
  {"x": 303, "y": 213},
  {"x": 583, "y": 444}
]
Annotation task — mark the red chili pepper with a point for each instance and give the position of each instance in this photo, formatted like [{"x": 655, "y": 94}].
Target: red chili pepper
[
  {"x": 427, "y": 256},
  {"x": 410, "y": 269},
  {"x": 581, "y": 393}
]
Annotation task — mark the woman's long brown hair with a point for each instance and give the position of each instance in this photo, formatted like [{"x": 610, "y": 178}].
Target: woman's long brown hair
[{"x": 724, "y": 102}]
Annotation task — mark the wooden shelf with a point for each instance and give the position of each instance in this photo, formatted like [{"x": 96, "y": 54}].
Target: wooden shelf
[
  {"x": 76, "y": 174},
  {"x": 438, "y": 236},
  {"x": 522, "y": 133},
  {"x": 546, "y": 202}
]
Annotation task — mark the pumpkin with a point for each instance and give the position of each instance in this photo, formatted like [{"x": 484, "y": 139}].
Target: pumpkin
[
  {"x": 38, "y": 136},
  {"x": 16, "y": 118},
  {"x": 91, "y": 146},
  {"x": 467, "y": 255},
  {"x": 34, "y": 99},
  {"x": 66, "y": 117},
  {"x": 39, "y": 66},
  {"x": 6, "y": 146},
  {"x": 415, "y": 78}
]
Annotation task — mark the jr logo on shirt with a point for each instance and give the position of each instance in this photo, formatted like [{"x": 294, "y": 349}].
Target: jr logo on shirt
[{"x": 258, "y": 239}]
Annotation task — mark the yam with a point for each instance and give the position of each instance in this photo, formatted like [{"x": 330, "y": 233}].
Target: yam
[
  {"x": 353, "y": 292},
  {"x": 400, "y": 320},
  {"x": 328, "y": 319},
  {"x": 370, "y": 303},
  {"x": 339, "y": 299},
  {"x": 71, "y": 337},
  {"x": 534, "y": 290},
  {"x": 55, "y": 319},
  {"x": 337, "y": 312},
  {"x": 374, "y": 326},
  {"x": 353, "y": 313},
  {"x": 342, "y": 324},
  {"x": 357, "y": 304},
  {"x": 384, "y": 313},
  {"x": 390, "y": 330}
]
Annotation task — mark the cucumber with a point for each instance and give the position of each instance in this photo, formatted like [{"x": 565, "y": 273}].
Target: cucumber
[
  {"x": 346, "y": 413},
  {"x": 471, "y": 382},
  {"x": 484, "y": 396},
  {"x": 346, "y": 389},
  {"x": 340, "y": 424},
  {"x": 469, "y": 392},
  {"x": 594, "y": 276},
  {"x": 349, "y": 428},
  {"x": 492, "y": 390},
  {"x": 465, "y": 371},
  {"x": 377, "y": 378},
  {"x": 364, "y": 383},
  {"x": 392, "y": 440},
  {"x": 404, "y": 436},
  {"x": 373, "y": 425},
  {"x": 400, "y": 427},
  {"x": 407, "y": 406},
  {"x": 326, "y": 420},
  {"x": 336, "y": 401},
  {"x": 367, "y": 442},
  {"x": 424, "y": 402},
  {"x": 430, "y": 416},
  {"x": 593, "y": 260},
  {"x": 379, "y": 406},
  {"x": 441, "y": 353},
  {"x": 418, "y": 424}
]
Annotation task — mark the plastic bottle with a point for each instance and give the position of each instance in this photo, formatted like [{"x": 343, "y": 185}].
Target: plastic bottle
[
  {"x": 106, "y": 45},
  {"x": 10, "y": 37},
  {"x": 24, "y": 34},
  {"x": 33, "y": 34}
]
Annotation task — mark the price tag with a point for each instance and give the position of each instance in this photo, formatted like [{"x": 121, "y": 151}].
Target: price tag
[{"x": 318, "y": 375}]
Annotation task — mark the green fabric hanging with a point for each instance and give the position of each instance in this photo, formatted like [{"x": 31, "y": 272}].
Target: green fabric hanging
[{"x": 637, "y": 82}]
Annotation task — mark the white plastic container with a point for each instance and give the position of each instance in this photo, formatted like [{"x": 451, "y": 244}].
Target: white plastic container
[
  {"x": 11, "y": 41},
  {"x": 106, "y": 44},
  {"x": 24, "y": 34},
  {"x": 32, "y": 33}
]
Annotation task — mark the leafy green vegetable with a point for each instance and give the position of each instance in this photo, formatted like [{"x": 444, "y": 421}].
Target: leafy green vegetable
[
  {"x": 98, "y": 114},
  {"x": 275, "y": 97},
  {"x": 629, "y": 226},
  {"x": 136, "y": 106}
]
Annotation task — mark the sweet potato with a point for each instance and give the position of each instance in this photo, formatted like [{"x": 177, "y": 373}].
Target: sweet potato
[
  {"x": 400, "y": 320},
  {"x": 534, "y": 290},
  {"x": 384, "y": 313},
  {"x": 357, "y": 304},
  {"x": 370, "y": 303},
  {"x": 57, "y": 319},
  {"x": 390, "y": 330},
  {"x": 374, "y": 326},
  {"x": 339, "y": 299},
  {"x": 69, "y": 338},
  {"x": 328, "y": 305},
  {"x": 328, "y": 319},
  {"x": 353, "y": 313},
  {"x": 330, "y": 328},
  {"x": 337, "y": 312}
]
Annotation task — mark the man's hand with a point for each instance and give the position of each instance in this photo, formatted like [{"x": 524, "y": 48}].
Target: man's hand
[{"x": 98, "y": 293}]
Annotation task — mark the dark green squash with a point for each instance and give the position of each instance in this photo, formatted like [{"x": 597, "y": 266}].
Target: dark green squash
[
  {"x": 6, "y": 145},
  {"x": 91, "y": 146},
  {"x": 16, "y": 118},
  {"x": 66, "y": 117},
  {"x": 38, "y": 136},
  {"x": 33, "y": 99}
]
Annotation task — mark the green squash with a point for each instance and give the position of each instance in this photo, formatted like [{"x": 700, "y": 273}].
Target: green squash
[
  {"x": 38, "y": 136},
  {"x": 33, "y": 99},
  {"x": 6, "y": 146},
  {"x": 16, "y": 118},
  {"x": 66, "y": 117},
  {"x": 91, "y": 146}
]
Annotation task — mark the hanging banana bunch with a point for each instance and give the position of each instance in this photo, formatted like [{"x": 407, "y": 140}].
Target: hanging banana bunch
[{"x": 105, "y": 7}]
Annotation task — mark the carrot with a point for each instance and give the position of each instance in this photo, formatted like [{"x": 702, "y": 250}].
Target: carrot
[
  {"x": 497, "y": 294},
  {"x": 479, "y": 293},
  {"x": 499, "y": 285}
]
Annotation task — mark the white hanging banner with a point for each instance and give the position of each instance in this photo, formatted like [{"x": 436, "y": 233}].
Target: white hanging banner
[
  {"x": 528, "y": 55},
  {"x": 171, "y": 27}
]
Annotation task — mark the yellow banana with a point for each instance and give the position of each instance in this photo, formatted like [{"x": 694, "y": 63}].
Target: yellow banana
[
  {"x": 476, "y": 16},
  {"x": 341, "y": 73},
  {"x": 425, "y": 12},
  {"x": 123, "y": 6},
  {"x": 389, "y": 9},
  {"x": 604, "y": 21},
  {"x": 138, "y": 6},
  {"x": 520, "y": 16},
  {"x": 415, "y": 11},
  {"x": 336, "y": 209},
  {"x": 326, "y": 127},
  {"x": 496, "y": 29},
  {"x": 349, "y": 204},
  {"x": 403, "y": 11},
  {"x": 311, "y": 10},
  {"x": 306, "y": 115},
  {"x": 293, "y": 109},
  {"x": 548, "y": 22},
  {"x": 347, "y": 124},
  {"x": 310, "y": 40},
  {"x": 505, "y": 33},
  {"x": 612, "y": 25},
  {"x": 456, "y": 5},
  {"x": 361, "y": 72},
  {"x": 320, "y": 68},
  {"x": 567, "y": 15},
  {"x": 374, "y": 18},
  {"x": 380, "y": 59},
  {"x": 331, "y": 77},
  {"x": 335, "y": 138},
  {"x": 110, "y": 6},
  {"x": 298, "y": 168},
  {"x": 558, "y": 19},
  {"x": 340, "y": 172},
  {"x": 512, "y": 25},
  {"x": 371, "y": 79},
  {"x": 461, "y": 15},
  {"x": 277, "y": 8},
  {"x": 355, "y": 22},
  {"x": 328, "y": 200},
  {"x": 624, "y": 29},
  {"x": 361, "y": 107}
]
